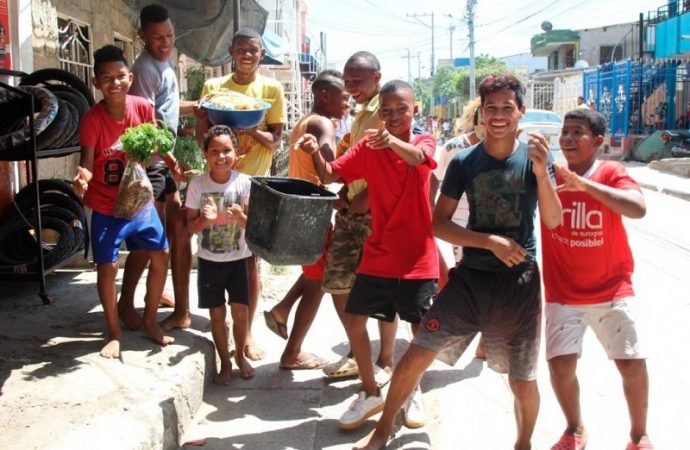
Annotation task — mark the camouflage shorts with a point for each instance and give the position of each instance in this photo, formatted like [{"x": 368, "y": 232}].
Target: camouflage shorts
[{"x": 345, "y": 252}]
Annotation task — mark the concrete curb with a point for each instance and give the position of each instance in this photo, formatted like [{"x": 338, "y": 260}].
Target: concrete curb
[
  {"x": 58, "y": 393},
  {"x": 668, "y": 191}
]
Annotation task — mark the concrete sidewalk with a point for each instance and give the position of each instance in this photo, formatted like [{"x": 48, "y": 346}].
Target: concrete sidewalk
[
  {"x": 57, "y": 393},
  {"x": 661, "y": 178}
]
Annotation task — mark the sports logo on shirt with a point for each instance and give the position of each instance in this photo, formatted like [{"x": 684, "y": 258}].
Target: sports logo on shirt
[{"x": 433, "y": 325}]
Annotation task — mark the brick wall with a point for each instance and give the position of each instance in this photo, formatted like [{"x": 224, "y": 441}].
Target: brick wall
[{"x": 105, "y": 17}]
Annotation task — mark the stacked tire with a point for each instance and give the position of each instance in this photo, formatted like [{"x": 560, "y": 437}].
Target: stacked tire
[
  {"x": 60, "y": 99},
  {"x": 63, "y": 222}
]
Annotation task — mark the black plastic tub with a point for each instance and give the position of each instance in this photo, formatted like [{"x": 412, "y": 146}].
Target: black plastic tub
[{"x": 288, "y": 220}]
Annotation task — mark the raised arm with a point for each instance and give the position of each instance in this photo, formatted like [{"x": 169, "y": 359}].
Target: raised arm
[
  {"x": 549, "y": 204},
  {"x": 380, "y": 138},
  {"x": 627, "y": 202}
]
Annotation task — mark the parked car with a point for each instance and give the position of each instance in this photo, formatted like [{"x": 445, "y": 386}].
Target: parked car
[
  {"x": 548, "y": 123},
  {"x": 545, "y": 122}
]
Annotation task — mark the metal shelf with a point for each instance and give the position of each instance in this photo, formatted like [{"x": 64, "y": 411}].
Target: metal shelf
[{"x": 29, "y": 154}]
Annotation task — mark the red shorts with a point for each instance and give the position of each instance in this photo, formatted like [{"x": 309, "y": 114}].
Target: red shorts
[{"x": 315, "y": 271}]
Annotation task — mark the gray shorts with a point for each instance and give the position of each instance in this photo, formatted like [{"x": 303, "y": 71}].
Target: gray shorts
[{"x": 504, "y": 306}]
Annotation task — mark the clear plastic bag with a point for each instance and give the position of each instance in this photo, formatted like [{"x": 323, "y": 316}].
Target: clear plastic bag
[{"x": 135, "y": 191}]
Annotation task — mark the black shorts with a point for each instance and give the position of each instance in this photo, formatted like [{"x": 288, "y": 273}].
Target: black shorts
[
  {"x": 162, "y": 181},
  {"x": 381, "y": 298},
  {"x": 504, "y": 306},
  {"x": 214, "y": 279}
]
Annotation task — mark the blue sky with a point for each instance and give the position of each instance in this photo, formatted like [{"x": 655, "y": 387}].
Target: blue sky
[{"x": 503, "y": 27}]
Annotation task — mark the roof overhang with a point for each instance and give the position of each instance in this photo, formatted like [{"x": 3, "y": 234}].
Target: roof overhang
[
  {"x": 204, "y": 28},
  {"x": 545, "y": 44}
]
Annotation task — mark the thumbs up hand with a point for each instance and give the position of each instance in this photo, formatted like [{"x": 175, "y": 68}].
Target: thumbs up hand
[
  {"x": 210, "y": 210},
  {"x": 81, "y": 180},
  {"x": 378, "y": 138}
]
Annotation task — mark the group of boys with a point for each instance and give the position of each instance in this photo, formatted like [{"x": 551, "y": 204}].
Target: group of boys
[{"x": 382, "y": 260}]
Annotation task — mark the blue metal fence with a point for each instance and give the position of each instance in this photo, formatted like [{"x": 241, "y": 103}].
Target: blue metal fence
[{"x": 640, "y": 98}]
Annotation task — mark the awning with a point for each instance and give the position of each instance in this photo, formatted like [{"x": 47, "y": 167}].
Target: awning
[
  {"x": 204, "y": 28},
  {"x": 275, "y": 47}
]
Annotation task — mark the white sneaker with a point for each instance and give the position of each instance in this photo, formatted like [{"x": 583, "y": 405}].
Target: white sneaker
[
  {"x": 360, "y": 410},
  {"x": 413, "y": 410},
  {"x": 381, "y": 376}
]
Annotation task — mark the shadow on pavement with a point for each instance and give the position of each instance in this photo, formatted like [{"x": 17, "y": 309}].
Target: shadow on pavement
[{"x": 44, "y": 341}]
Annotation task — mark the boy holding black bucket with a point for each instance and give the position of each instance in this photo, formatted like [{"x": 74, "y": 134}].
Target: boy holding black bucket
[
  {"x": 399, "y": 267},
  {"x": 330, "y": 101}
]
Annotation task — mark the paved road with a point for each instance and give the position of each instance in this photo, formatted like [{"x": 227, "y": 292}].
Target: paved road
[{"x": 468, "y": 405}]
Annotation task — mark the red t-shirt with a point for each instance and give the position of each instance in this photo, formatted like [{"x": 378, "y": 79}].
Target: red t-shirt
[
  {"x": 401, "y": 244},
  {"x": 102, "y": 133},
  {"x": 587, "y": 259}
]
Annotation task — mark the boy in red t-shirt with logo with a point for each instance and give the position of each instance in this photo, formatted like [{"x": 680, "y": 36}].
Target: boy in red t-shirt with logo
[
  {"x": 399, "y": 267},
  {"x": 588, "y": 267},
  {"x": 98, "y": 178}
]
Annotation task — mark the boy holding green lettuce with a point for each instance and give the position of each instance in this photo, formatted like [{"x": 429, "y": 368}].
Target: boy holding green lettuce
[{"x": 98, "y": 177}]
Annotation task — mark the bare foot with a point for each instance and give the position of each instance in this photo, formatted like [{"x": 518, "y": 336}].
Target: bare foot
[
  {"x": 223, "y": 377},
  {"x": 167, "y": 300},
  {"x": 253, "y": 352},
  {"x": 480, "y": 352},
  {"x": 176, "y": 320},
  {"x": 370, "y": 442},
  {"x": 156, "y": 333},
  {"x": 129, "y": 316},
  {"x": 111, "y": 350},
  {"x": 303, "y": 361},
  {"x": 246, "y": 370}
]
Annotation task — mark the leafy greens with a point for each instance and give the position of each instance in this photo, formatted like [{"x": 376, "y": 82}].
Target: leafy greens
[{"x": 144, "y": 140}]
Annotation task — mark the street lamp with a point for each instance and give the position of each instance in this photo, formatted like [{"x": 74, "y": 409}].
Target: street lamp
[{"x": 451, "y": 28}]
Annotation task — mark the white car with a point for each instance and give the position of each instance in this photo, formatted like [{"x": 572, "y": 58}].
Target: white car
[{"x": 548, "y": 123}]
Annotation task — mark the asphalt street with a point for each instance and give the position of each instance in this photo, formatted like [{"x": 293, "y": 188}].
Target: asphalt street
[{"x": 469, "y": 406}]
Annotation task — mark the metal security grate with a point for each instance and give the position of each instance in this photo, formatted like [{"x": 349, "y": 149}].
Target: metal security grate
[
  {"x": 74, "y": 53},
  {"x": 641, "y": 97}
]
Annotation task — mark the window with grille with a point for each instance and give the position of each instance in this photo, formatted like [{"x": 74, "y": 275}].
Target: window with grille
[
  {"x": 74, "y": 52},
  {"x": 125, "y": 45},
  {"x": 610, "y": 53}
]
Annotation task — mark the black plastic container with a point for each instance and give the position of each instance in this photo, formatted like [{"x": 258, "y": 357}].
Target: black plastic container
[{"x": 288, "y": 220}]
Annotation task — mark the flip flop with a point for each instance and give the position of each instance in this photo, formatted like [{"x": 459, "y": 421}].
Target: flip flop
[
  {"x": 640, "y": 446},
  {"x": 277, "y": 327},
  {"x": 314, "y": 362},
  {"x": 570, "y": 442}
]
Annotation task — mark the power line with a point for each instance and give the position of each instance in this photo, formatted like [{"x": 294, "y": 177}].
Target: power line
[{"x": 510, "y": 16}]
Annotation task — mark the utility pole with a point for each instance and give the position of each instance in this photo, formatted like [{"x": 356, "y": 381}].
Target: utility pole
[
  {"x": 416, "y": 17},
  {"x": 433, "y": 56},
  {"x": 409, "y": 70},
  {"x": 471, "y": 5},
  {"x": 419, "y": 66}
]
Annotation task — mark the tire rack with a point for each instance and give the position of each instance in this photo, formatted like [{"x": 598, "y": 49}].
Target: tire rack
[{"x": 29, "y": 154}]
